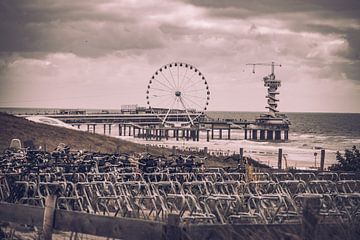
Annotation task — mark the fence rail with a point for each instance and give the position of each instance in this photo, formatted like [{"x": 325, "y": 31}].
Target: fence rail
[
  {"x": 71, "y": 221},
  {"x": 127, "y": 228}
]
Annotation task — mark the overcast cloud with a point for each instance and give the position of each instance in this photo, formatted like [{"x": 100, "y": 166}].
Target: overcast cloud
[{"x": 101, "y": 54}]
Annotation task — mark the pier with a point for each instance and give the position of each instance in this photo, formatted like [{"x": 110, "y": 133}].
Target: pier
[{"x": 149, "y": 127}]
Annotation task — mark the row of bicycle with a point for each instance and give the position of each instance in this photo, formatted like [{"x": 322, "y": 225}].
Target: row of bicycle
[
  {"x": 206, "y": 197},
  {"x": 120, "y": 174}
]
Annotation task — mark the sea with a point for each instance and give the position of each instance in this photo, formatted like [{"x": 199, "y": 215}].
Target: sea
[{"x": 309, "y": 133}]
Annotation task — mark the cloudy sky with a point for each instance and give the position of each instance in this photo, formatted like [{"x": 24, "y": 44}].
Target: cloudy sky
[{"x": 101, "y": 54}]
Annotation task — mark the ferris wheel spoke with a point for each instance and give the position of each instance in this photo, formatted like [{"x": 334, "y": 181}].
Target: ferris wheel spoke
[
  {"x": 164, "y": 85},
  {"x": 173, "y": 87},
  {"x": 194, "y": 96},
  {"x": 187, "y": 80},
  {"x": 195, "y": 90},
  {"x": 193, "y": 84},
  {"x": 196, "y": 116},
  {"x": 188, "y": 99},
  {"x": 178, "y": 83},
  {"x": 172, "y": 77},
  {"x": 187, "y": 113},
  {"x": 195, "y": 79},
  {"x": 161, "y": 96},
  {"x": 167, "y": 113},
  {"x": 162, "y": 101},
  {"x": 162, "y": 90},
  {"x": 198, "y": 74},
  {"x": 183, "y": 78}
]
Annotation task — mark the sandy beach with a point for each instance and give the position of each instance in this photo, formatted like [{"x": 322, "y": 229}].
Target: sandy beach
[{"x": 263, "y": 152}]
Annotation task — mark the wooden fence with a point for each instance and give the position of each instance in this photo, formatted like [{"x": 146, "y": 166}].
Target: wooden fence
[{"x": 128, "y": 228}]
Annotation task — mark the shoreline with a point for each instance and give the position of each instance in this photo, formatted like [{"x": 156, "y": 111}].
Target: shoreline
[{"x": 264, "y": 152}]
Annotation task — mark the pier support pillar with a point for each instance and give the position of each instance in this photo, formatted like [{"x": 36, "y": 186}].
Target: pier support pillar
[
  {"x": 229, "y": 130},
  {"x": 197, "y": 135},
  {"x": 120, "y": 130},
  {"x": 245, "y": 133},
  {"x": 104, "y": 129},
  {"x": 254, "y": 134},
  {"x": 177, "y": 134},
  {"x": 109, "y": 129},
  {"x": 134, "y": 131},
  {"x": 270, "y": 135},
  {"x": 220, "y": 133},
  {"x": 124, "y": 129},
  {"x": 208, "y": 135},
  {"x": 129, "y": 130},
  {"x": 262, "y": 134},
  {"x": 79, "y": 126},
  {"x": 286, "y": 135},
  {"x": 94, "y": 128},
  {"x": 322, "y": 159},
  {"x": 279, "y": 158},
  {"x": 205, "y": 151},
  {"x": 212, "y": 131},
  {"x": 147, "y": 134},
  {"x": 88, "y": 127},
  {"x": 277, "y": 135}
]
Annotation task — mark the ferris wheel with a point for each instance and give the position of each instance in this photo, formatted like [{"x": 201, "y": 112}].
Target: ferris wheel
[{"x": 178, "y": 93}]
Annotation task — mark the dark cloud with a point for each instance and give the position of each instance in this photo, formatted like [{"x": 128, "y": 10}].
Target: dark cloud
[
  {"x": 78, "y": 27},
  {"x": 327, "y": 17},
  {"x": 348, "y": 8}
]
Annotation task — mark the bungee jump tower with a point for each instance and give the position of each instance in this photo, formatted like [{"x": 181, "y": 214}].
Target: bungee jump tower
[{"x": 271, "y": 126}]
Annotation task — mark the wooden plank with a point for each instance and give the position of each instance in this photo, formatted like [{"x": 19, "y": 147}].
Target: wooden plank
[
  {"x": 243, "y": 231},
  {"x": 106, "y": 226},
  {"x": 49, "y": 213},
  {"x": 22, "y": 214},
  {"x": 173, "y": 231}
]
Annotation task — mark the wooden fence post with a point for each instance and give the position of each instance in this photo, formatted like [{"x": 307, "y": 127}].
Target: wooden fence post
[
  {"x": 49, "y": 213},
  {"x": 241, "y": 155},
  {"x": 322, "y": 159},
  {"x": 173, "y": 231},
  {"x": 205, "y": 151},
  {"x": 311, "y": 209}
]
